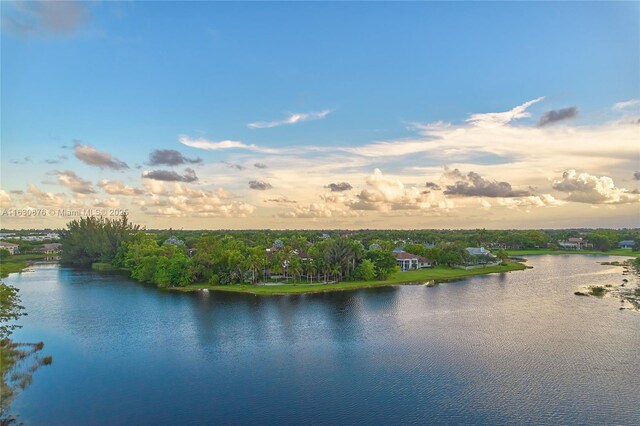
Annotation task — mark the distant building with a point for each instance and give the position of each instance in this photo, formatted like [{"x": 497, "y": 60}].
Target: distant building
[
  {"x": 41, "y": 237},
  {"x": 407, "y": 261},
  {"x": 577, "y": 243},
  {"x": 627, "y": 244},
  {"x": 10, "y": 247},
  {"x": 480, "y": 255},
  {"x": 174, "y": 241},
  {"x": 52, "y": 248}
]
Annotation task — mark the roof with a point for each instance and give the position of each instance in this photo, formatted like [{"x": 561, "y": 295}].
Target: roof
[
  {"x": 478, "y": 251},
  {"x": 628, "y": 242},
  {"x": 52, "y": 246},
  {"x": 403, "y": 255},
  {"x": 576, "y": 240},
  {"x": 5, "y": 244}
]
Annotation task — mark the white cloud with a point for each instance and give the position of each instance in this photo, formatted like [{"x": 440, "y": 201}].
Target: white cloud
[
  {"x": 493, "y": 119},
  {"x": 38, "y": 198},
  {"x": 74, "y": 182},
  {"x": 385, "y": 193},
  {"x": 180, "y": 200},
  {"x": 116, "y": 187},
  {"x": 110, "y": 203},
  {"x": 205, "y": 144},
  {"x": 5, "y": 198},
  {"x": 543, "y": 200},
  {"x": 292, "y": 119},
  {"x": 586, "y": 188},
  {"x": 624, "y": 105}
]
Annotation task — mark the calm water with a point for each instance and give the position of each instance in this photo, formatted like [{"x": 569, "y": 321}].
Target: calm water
[{"x": 502, "y": 349}]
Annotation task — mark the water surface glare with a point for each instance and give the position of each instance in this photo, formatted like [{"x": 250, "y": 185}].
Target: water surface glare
[{"x": 498, "y": 349}]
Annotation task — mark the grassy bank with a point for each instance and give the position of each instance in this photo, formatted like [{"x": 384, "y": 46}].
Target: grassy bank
[
  {"x": 103, "y": 267},
  {"x": 423, "y": 275},
  {"x": 17, "y": 263},
  {"x": 614, "y": 252}
]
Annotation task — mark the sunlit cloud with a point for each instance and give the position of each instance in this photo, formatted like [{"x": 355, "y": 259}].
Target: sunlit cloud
[
  {"x": 91, "y": 156},
  {"x": 586, "y": 188}
]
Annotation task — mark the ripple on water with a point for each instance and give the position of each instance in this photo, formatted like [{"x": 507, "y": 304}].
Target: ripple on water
[{"x": 499, "y": 349}]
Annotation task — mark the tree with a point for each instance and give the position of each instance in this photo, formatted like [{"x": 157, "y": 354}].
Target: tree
[
  {"x": 502, "y": 255},
  {"x": 4, "y": 254},
  {"x": 385, "y": 263},
  {"x": 93, "y": 239},
  {"x": 10, "y": 309},
  {"x": 365, "y": 271}
]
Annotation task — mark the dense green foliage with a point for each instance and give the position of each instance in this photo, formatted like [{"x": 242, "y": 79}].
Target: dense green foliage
[
  {"x": 10, "y": 310},
  {"x": 439, "y": 273},
  {"x": 180, "y": 258},
  {"x": 93, "y": 239}
]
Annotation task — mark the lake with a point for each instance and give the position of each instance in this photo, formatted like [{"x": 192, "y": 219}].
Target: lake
[{"x": 498, "y": 349}]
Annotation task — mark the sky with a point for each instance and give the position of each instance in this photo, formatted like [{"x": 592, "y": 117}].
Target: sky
[{"x": 203, "y": 115}]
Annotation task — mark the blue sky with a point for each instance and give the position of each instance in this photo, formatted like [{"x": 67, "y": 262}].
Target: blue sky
[{"x": 130, "y": 78}]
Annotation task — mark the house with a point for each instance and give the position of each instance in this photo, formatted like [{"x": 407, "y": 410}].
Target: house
[
  {"x": 52, "y": 248},
  {"x": 41, "y": 237},
  {"x": 174, "y": 241},
  {"x": 627, "y": 244},
  {"x": 480, "y": 255},
  {"x": 577, "y": 243},
  {"x": 10, "y": 247},
  {"x": 407, "y": 261}
]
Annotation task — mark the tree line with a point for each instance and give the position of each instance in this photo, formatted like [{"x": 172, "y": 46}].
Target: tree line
[{"x": 179, "y": 258}]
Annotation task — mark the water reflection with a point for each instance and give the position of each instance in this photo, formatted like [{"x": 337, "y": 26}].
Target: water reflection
[{"x": 508, "y": 348}]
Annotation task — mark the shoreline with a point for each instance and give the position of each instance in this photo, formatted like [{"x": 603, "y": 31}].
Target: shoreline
[
  {"x": 18, "y": 263},
  {"x": 614, "y": 252},
  {"x": 438, "y": 274}
]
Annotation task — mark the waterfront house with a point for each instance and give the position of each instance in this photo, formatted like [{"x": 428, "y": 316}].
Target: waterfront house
[
  {"x": 576, "y": 243},
  {"x": 407, "y": 261},
  {"x": 480, "y": 256},
  {"x": 10, "y": 247},
  {"x": 53, "y": 248},
  {"x": 627, "y": 244}
]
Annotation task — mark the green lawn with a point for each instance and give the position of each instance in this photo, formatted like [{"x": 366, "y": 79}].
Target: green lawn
[
  {"x": 17, "y": 263},
  {"x": 614, "y": 252},
  {"x": 422, "y": 275}
]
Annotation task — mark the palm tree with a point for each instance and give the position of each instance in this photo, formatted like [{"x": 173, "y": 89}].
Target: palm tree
[
  {"x": 311, "y": 269},
  {"x": 295, "y": 267},
  {"x": 336, "y": 271}
]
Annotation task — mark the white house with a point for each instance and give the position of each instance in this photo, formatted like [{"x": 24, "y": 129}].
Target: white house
[
  {"x": 480, "y": 255},
  {"x": 627, "y": 244},
  {"x": 10, "y": 247},
  {"x": 52, "y": 248},
  {"x": 578, "y": 243}
]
